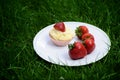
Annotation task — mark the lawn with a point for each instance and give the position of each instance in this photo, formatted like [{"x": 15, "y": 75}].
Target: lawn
[{"x": 20, "y": 20}]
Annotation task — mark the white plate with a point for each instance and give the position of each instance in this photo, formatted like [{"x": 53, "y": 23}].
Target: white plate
[{"x": 59, "y": 55}]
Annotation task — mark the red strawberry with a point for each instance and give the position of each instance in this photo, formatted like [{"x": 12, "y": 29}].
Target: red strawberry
[
  {"x": 77, "y": 50},
  {"x": 81, "y": 30},
  {"x": 89, "y": 45},
  {"x": 87, "y": 36},
  {"x": 60, "y": 26}
]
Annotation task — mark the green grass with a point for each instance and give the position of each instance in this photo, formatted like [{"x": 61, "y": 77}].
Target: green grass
[{"x": 20, "y": 20}]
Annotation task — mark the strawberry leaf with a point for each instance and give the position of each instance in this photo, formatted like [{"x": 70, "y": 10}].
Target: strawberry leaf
[
  {"x": 70, "y": 46},
  {"x": 78, "y": 31}
]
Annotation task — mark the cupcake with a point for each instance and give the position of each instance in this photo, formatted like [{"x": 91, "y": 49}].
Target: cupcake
[{"x": 61, "y": 35}]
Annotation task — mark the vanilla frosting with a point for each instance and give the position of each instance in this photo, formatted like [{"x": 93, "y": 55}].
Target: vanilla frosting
[{"x": 58, "y": 35}]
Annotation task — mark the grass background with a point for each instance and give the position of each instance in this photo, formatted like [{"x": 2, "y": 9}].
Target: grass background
[{"x": 20, "y": 20}]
